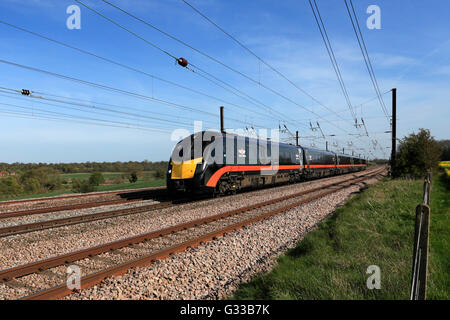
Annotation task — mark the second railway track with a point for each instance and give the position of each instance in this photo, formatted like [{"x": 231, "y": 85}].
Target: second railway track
[
  {"x": 160, "y": 243},
  {"x": 158, "y": 193}
]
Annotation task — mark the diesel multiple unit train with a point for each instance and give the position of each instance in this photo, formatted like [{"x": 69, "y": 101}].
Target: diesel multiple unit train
[{"x": 227, "y": 163}]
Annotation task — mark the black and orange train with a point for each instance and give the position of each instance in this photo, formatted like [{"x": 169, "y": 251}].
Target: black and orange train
[{"x": 236, "y": 169}]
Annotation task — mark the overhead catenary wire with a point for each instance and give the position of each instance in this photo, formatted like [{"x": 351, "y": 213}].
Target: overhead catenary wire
[
  {"x": 24, "y": 115},
  {"x": 104, "y": 87},
  {"x": 94, "y": 109},
  {"x": 362, "y": 46},
  {"x": 121, "y": 123},
  {"x": 192, "y": 48},
  {"x": 152, "y": 76},
  {"x": 35, "y": 109},
  {"x": 172, "y": 56},
  {"x": 330, "y": 51},
  {"x": 326, "y": 40},
  {"x": 91, "y": 102},
  {"x": 218, "y": 79},
  {"x": 92, "y": 106},
  {"x": 259, "y": 58}
]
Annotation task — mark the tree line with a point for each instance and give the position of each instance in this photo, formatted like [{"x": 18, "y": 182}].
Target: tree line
[
  {"x": 419, "y": 152},
  {"x": 32, "y": 178},
  {"x": 88, "y": 167}
]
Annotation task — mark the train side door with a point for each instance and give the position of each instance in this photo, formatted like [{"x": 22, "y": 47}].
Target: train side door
[{"x": 306, "y": 158}]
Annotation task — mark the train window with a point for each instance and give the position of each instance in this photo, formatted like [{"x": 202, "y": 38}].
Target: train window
[{"x": 294, "y": 156}]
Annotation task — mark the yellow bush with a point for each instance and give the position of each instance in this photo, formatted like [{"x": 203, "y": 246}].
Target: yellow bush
[{"x": 444, "y": 164}]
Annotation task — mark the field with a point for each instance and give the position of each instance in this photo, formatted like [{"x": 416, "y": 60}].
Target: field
[
  {"x": 106, "y": 175},
  {"x": 145, "y": 180},
  {"x": 376, "y": 227}
]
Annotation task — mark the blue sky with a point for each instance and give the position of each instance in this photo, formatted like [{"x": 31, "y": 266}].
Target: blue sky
[{"x": 410, "y": 52}]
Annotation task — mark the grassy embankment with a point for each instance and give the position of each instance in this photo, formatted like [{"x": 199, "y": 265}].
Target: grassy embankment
[{"x": 376, "y": 227}]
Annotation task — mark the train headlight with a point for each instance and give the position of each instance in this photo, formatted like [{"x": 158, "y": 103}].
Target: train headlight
[{"x": 169, "y": 171}]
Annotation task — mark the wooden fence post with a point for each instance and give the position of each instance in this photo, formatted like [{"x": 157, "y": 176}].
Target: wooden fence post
[{"x": 420, "y": 254}]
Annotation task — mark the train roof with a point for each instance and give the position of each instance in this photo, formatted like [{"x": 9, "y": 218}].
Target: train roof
[
  {"x": 228, "y": 134},
  {"x": 348, "y": 155},
  {"x": 318, "y": 150}
]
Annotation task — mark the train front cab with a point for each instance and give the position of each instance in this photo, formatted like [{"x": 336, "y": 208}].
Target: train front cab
[{"x": 185, "y": 172}]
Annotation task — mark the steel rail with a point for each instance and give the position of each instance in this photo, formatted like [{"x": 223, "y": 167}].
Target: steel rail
[
  {"x": 30, "y": 212},
  {"x": 131, "y": 196},
  {"x": 118, "y": 192},
  {"x": 95, "y": 278},
  {"x": 62, "y": 222}
]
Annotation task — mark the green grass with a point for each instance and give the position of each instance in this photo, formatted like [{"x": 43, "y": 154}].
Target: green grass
[
  {"x": 106, "y": 175},
  {"x": 136, "y": 185},
  {"x": 439, "y": 261},
  {"x": 37, "y": 195},
  {"x": 374, "y": 228}
]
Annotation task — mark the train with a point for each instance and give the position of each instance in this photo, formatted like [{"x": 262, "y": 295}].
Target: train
[{"x": 216, "y": 163}]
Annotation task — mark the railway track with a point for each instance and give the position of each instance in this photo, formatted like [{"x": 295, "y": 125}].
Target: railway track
[
  {"x": 62, "y": 222},
  {"x": 87, "y": 195},
  {"x": 160, "y": 243},
  {"x": 53, "y": 223},
  {"x": 131, "y": 197}
]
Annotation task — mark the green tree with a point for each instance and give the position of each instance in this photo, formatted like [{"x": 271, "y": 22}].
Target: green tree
[
  {"x": 416, "y": 154},
  {"x": 47, "y": 177},
  {"x": 133, "y": 177},
  {"x": 82, "y": 186},
  {"x": 445, "y": 145},
  {"x": 31, "y": 185},
  {"x": 159, "y": 173},
  {"x": 10, "y": 186},
  {"x": 96, "y": 179}
]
